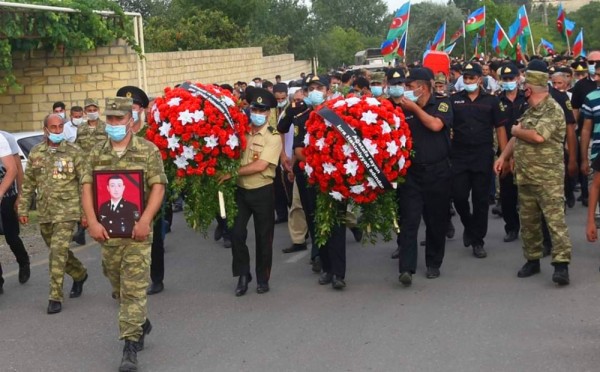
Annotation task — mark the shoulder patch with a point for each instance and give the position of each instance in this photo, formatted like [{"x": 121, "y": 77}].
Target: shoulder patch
[
  {"x": 273, "y": 130},
  {"x": 443, "y": 107},
  {"x": 569, "y": 105},
  {"x": 296, "y": 130},
  {"x": 502, "y": 107}
]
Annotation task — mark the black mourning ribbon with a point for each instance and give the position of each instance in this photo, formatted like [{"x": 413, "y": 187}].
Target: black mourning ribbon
[
  {"x": 220, "y": 105},
  {"x": 354, "y": 140}
]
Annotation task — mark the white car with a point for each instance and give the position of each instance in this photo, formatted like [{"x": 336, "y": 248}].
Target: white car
[{"x": 26, "y": 141}]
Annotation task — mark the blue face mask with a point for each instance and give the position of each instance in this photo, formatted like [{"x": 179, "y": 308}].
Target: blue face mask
[
  {"x": 509, "y": 85},
  {"x": 316, "y": 97},
  {"x": 377, "y": 91},
  {"x": 116, "y": 132},
  {"x": 56, "y": 138},
  {"x": 592, "y": 69},
  {"x": 307, "y": 101},
  {"x": 258, "y": 119},
  {"x": 396, "y": 91},
  {"x": 471, "y": 87},
  {"x": 410, "y": 95},
  {"x": 282, "y": 104},
  {"x": 136, "y": 116}
]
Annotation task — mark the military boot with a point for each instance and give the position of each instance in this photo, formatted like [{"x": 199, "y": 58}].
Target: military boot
[
  {"x": 129, "y": 361},
  {"x": 561, "y": 274},
  {"x": 146, "y": 329},
  {"x": 530, "y": 268}
]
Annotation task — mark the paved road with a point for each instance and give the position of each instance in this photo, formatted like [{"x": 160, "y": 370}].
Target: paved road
[{"x": 478, "y": 316}]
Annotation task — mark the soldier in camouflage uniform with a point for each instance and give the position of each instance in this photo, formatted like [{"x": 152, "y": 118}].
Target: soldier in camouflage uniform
[
  {"x": 537, "y": 145},
  {"x": 126, "y": 261},
  {"x": 93, "y": 131},
  {"x": 53, "y": 169}
]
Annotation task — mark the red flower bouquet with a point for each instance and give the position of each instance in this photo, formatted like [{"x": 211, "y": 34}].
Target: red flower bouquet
[
  {"x": 357, "y": 150},
  {"x": 200, "y": 134}
]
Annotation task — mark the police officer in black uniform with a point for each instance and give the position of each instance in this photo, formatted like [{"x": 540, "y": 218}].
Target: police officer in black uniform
[
  {"x": 514, "y": 103},
  {"x": 426, "y": 191},
  {"x": 476, "y": 114}
]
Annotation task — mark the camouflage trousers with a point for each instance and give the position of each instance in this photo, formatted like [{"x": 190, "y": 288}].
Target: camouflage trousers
[
  {"x": 127, "y": 267},
  {"x": 535, "y": 200},
  {"x": 61, "y": 260}
]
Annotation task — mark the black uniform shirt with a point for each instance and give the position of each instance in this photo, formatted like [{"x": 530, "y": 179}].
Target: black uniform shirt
[
  {"x": 429, "y": 146},
  {"x": 513, "y": 110},
  {"x": 474, "y": 121},
  {"x": 581, "y": 89},
  {"x": 565, "y": 103}
]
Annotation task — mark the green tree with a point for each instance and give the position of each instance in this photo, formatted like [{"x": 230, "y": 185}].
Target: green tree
[
  {"x": 587, "y": 18},
  {"x": 147, "y": 8},
  {"x": 365, "y": 17},
  {"x": 338, "y": 46}
]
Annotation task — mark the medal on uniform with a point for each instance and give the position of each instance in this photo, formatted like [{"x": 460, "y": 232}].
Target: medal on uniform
[
  {"x": 70, "y": 165},
  {"x": 55, "y": 173},
  {"x": 255, "y": 156}
]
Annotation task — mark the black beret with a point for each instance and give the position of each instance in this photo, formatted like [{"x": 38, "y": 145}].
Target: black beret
[
  {"x": 509, "y": 70},
  {"x": 136, "y": 94},
  {"x": 261, "y": 98},
  {"x": 321, "y": 80},
  {"x": 472, "y": 69},
  {"x": 395, "y": 76},
  {"x": 419, "y": 73},
  {"x": 537, "y": 65}
]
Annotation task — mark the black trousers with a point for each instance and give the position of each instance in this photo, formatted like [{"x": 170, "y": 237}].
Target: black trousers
[
  {"x": 257, "y": 203},
  {"x": 509, "y": 200},
  {"x": 426, "y": 193},
  {"x": 10, "y": 224},
  {"x": 157, "y": 267},
  {"x": 283, "y": 193},
  {"x": 333, "y": 253},
  {"x": 472, "y": 174},
  {"x": 308, "y": 199},
  {"x": 222, "y": 222}
]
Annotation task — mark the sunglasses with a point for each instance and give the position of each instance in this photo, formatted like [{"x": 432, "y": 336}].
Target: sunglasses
[{"x": 593, "y": 62}]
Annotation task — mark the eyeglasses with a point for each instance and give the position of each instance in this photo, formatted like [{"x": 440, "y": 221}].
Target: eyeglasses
[{"x": 593, "y": 62}]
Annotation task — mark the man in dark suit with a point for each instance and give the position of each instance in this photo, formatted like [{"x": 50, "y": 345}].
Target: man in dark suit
[{"x": 118, "y": 215}]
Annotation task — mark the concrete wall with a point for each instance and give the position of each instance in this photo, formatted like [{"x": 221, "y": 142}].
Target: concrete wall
[{"x": 46, "y": 78}]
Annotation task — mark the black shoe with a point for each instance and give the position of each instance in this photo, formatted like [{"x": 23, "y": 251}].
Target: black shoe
[
  {"x": 77, "y": 288},
  {"x": 146, "y": 329},
  {"x": 530, "y": 268},
  {"x": 561, "y": 274},
  {"x": 1, "y": 290},
  {"x": 279, "y": 220},
  {"x": 358, "y": 234},
  {"x": 54, "y": 307},
  {"x": 262, "y": 288},
  {"x": 467, "y": 239},
  {"x": 511, "y": 236},
  {"x": 218, "y": 233},
  {"x": 338, "y": 282},
  {"x": 325, "y": 278},
  {"x": 129, "y": 361},
  {"x": 396, "y": 254},
  {"x": 479, "y": 251},
  {"x": 432, "y": 273},
  {"x": 451, "y": 230},
  {"x": 226, "y": 242},
  {"x": 571, "y": 201},
  {"x": 294, "y": 248},
  {"x": 242, "y": 286},
  {"x": 422, "y": 243},
  {"x": 24, "y": 273},
  {"x": 584, "y": 201},
  {"x": 79, "y": 236},
  {"x": 497, "y": 210},
  {"x": 316, "y": 265},
  {"x": 155, "y": 288},
  {"x": 405, "y": 278}
]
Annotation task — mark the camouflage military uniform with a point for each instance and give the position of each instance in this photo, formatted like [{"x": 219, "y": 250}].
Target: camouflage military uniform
[
  {"x": 88, "y": 137},
  {"x": 55, "y": 173},
  {"x": 539, "y": 172},
  {"x": 126, "y": 262}
]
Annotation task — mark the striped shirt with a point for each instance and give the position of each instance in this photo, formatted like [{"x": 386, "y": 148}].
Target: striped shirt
[{"x": 591, "y": 110}]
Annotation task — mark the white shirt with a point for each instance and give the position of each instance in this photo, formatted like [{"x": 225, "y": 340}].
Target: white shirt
[
  {"x": 70, "y": 131},
  {"x": 4, "y": 147}
]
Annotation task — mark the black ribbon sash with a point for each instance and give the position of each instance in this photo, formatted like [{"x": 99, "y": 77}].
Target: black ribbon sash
[
  {"x": 220, "y": 105},
  {"x": 353, "y": 139}
]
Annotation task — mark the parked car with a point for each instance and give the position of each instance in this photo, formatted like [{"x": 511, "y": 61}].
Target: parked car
[{"x": 26, "y": 141}]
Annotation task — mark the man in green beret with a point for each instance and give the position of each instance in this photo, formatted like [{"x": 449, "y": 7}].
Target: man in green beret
[{"x": 537, "y": 147}]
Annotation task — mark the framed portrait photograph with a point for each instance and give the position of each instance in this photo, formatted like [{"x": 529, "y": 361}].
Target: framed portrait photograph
[{"x": 119, "y": 200}]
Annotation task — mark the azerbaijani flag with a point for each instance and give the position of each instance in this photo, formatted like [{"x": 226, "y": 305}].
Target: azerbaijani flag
[
  {"x": 439, "y": 41},
  {"x": 402, "y": 47},
  {"x": 560, "y": 19},
  {"x": 476, "y": 20},
  {"x": 520, "y": 26},
  {"x": 450, "y": 48},
  {"x": 500, "y": 39},
  {"x": 400, "y": 22},
  {"x": 547, "y": 46},
  {"x": 578, "y": 45},
  {"x": 457, "y": 34},
  {"x": 389, "y": 47},
  {"x": 570, "y": 26}
]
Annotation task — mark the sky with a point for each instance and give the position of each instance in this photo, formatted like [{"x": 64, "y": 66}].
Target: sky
[{"x": 395, "y": 4}]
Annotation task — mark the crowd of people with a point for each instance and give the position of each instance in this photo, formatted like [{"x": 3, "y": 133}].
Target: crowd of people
[{"x": 532, "y": 128}]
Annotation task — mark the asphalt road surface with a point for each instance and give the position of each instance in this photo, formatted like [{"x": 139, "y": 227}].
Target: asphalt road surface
[{"x": 478, "y": 316}]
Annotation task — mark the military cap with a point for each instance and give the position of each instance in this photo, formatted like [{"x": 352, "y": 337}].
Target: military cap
[
  {"x": 395, "y": 76},
  {"x": 280, "y": 88},
  {"x": 261, "y": 98},
  {"x": 136, "y": 94},
  {"x": 377, "y": 77},
  {"x": 419, "y": 73},
  {"x": 580, "y": 66},
  {"x": 440, "y": 78},
  {"x": 118, "y": 106},
  {"x": 509, "y": 71},
  {"x": 322, "y": 80},
  {"x": 90, "y": 102},
  {"x": 537, "y": 65},
  {"x": 472, "y": 69},
  {"x": 536, "y": 78}
]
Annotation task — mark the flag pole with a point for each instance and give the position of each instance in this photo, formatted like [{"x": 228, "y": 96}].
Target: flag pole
[
  {"x": 567, "y": 37},
  {"x": 485, "y": 33},
  {"x": 464, "y": 41},
  {"x": 530, "y": 30}
]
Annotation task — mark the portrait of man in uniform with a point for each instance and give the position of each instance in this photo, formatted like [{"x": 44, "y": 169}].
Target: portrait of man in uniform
[{"x": 119, "y": 201}]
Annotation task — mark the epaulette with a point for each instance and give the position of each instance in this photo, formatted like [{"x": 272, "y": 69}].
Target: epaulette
[{"x": 273, "y": 131}]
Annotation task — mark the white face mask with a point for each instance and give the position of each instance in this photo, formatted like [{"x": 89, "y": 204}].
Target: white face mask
[
  {"x": 61, "y": 114},
  {"x": 93, "y": 116},
  {"x": 77, "y": 121}
]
